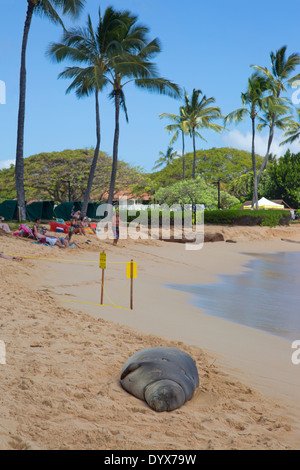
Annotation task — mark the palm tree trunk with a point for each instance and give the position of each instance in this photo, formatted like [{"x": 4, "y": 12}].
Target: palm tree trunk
[
  {"x": 19, "y": 168},
  {"x": 194, "y": 161},
  {"x": 115, "y": 151},
  {"x": 255, "y": 196},
  {"x": 95, "y": 159},
  {"x": 265, "y": 161},
  {"x": 183, "y": 160}
]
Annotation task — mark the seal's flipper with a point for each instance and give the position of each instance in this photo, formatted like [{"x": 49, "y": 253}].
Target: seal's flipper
[{"x": 132, "y": 367}]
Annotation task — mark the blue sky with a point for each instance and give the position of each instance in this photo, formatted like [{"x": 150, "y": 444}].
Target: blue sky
[{"x": 205, "y": 45}]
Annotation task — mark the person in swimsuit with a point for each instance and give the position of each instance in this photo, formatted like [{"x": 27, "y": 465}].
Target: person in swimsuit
[{"x": 13, "y": 258}]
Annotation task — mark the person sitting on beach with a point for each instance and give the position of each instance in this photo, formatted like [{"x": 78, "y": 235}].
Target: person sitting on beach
[
  {"x": 77, "y": 228},
  {"x": 42, "y": 236},
  {"x": 36, "y": 228},
  {"x": 75, "y": 214},
  {"x": 3, "y": 226},
  {"x": 86, "y": 226},
  {"x": 52, "y": 241}
]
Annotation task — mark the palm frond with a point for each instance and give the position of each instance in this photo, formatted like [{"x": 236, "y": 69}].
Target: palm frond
[
  {"x": 159, "y": 85},
  {"x": 51, "y": 8},
  {"x": 236, "y": 116}
]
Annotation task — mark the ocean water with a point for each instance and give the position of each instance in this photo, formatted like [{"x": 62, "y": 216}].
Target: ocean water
[{"x": 265, "y": 296}]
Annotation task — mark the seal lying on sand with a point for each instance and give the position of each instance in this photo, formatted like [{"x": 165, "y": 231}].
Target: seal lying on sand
[{"x": 164, "y": 377}]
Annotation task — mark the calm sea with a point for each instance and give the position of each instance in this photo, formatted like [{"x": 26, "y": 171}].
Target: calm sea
[{"x": 266, "y": 296}]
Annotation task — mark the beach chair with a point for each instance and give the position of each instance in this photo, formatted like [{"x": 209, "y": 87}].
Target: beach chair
[{"x": 25, "y": 231}]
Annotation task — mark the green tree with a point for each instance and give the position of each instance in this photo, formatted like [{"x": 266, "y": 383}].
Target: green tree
[
  {"x": 254, "y": 99},
  {"x": 48, "y": 9},
  {"x": 44, "y": 175},
  {"x": 225, "y": 164},
  {"x": 198, "y": 114},
  {"x": 284, "y": 180},
  {"x": 165, "y": 158},
  {"x": 242, "y": 187},
  {"x": 194, "y": 191},
  {"x": 278, "y": 78},
  {"x": 91, "y": 48}
]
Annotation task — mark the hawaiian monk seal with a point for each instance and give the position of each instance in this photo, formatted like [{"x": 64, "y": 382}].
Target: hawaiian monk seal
[{"x": 164, "y": 377}]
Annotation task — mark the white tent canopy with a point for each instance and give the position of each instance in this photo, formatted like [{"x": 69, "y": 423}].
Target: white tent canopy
[{"x": 264, "y": 203}]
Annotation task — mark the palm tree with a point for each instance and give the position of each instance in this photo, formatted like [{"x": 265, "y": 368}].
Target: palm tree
[
  {"x": 165, "y": 158},
  {"x": 275, "y": 110},
  {"x": 198, "y": 114},
  {"x": 92, "y": 49},
  {"x": 254, "y": 98},
  {"x": 131, "y": 63},
  {"x": 179, "y": 127},
  {"x": 45, "y": 8},
  {"x": 293, "y": 130},
  {"x": 278, "y": 78}
]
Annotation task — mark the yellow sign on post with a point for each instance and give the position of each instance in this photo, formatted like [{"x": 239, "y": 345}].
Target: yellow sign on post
[
  {"x": 128, "y": 270},
  {"x": 103, "y": 260}
]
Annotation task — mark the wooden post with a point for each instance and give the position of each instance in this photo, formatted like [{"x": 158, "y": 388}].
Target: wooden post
[
  {"x": 131, "y": 284},
  {"x": 103, "y": 266},
  {"x": 102, "y": 287}
]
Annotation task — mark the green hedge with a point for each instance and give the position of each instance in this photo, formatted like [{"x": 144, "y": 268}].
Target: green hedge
[{"x": 269, "y": 218}]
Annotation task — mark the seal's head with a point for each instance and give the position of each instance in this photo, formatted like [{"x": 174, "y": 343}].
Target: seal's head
[{"x": 164, "y": 395}]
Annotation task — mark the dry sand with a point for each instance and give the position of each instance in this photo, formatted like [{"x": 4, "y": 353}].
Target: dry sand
[{"x": 60, "y": 385}]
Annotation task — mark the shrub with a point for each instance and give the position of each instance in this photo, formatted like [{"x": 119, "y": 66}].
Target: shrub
[{"x": 269, "y": 218}]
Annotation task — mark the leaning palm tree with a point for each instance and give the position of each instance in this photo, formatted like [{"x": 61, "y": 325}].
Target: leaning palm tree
[
  {"x": 278, "y": 78},
  {"x": 179, "y": 127},
  {"x": 199, "y": 114},
  {"x": 131, "y": 62},
  {"x": 92, "y": 49},
  {"x": 254, "y": 99},
  {"x": 47, "y": 8},
  {"x": 165, "y": 158}
]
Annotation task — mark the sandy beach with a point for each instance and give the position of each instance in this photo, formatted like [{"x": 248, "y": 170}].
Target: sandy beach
[{"x": 60, "y": 385}]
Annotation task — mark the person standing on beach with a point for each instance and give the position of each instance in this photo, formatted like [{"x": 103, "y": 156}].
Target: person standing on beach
[{"x": 116, "y": 226}]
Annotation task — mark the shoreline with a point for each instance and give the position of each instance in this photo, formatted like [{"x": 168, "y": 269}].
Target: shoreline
[
  {"x": 233, "y": 343},
  {"x": 64, "y": 358}
]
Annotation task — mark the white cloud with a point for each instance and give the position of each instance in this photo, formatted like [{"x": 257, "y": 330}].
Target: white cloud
[
  {"x": 6, "y": 163},
  {"x": 237, "y": 139}
]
